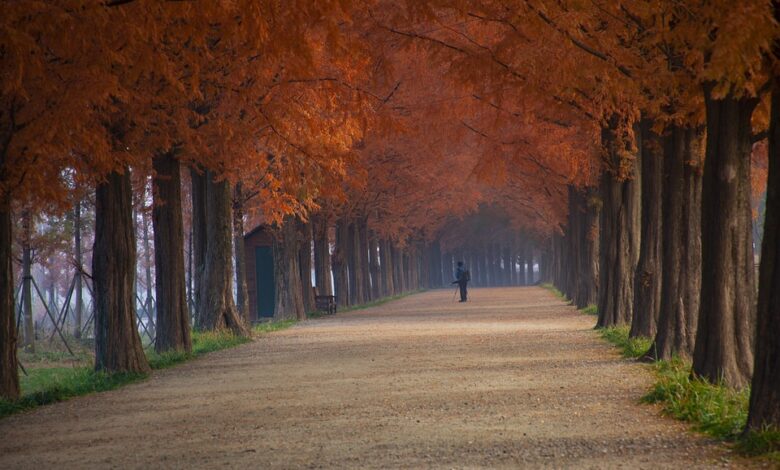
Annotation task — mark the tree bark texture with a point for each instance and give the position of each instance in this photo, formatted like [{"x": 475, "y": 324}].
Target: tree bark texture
[
  {"x": 9, "y": 365},
  {"x": 724, "y": 338},
  {"x": 242, "y": 294},
  {"x": 376, "y": 273},
  {"x": 304, "y": 260},
  {"x": 173, "y": 315},
  {"x": 619, "y": 238},
  {"x": 681, "y": 247},
  {"x": 649, "y": 271},
  {"x": 364, "y": 266},
  {"x": 588, "y": 262},
  {"x": 78, "y": 259},
  {"x": 322, "y": 268},
  {"x": 355, "y": 283},
  {"x": 386, "y": 260},
  {"x": 118, "y": 346},
  {"x": 289, "y": 295},
  {"x": 198, "y": 242},
  {"x": 217, "y": 308},
  {"x": 27, "y": 313},
  {"x": 340, "y": 274},
  {"x": 765, "y": 390}
]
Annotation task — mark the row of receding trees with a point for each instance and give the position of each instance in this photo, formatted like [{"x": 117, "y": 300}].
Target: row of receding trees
[
  {"x": 97, "y": 95},
  {"x": 674, "y": 96},
  {"x": 274, "y": 113}
]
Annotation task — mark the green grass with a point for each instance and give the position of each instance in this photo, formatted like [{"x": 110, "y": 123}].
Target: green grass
[
  {"x": 52, "y": 384},
  {"x": 714, "y": 409},
  {"x": 44, "y": 386},
  {"x": 202, "y": 342},
  {"x": 379, "y": 302},
  {"x": 590, "y": 310},
  {"x": 556, "y": 292},
  {"x": 629, "y": 347},
  {"x": 765, "y": 444},
  {"x": 272, "y": 326}
]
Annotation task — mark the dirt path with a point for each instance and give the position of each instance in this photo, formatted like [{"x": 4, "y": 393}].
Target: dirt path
[{"x": 512, "y": 379}]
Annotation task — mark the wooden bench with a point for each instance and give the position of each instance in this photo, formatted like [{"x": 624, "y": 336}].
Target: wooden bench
[{"x": 325, "y": 303}]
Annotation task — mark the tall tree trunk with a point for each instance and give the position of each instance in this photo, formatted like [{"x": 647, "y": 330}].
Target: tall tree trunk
[
  {"x": 573, "y": 244},
  {"x": 765, "y": 390},
  {"x": 78, "y": 258},
  {"x": 149, "y": 302},
  {"x": 724, "y": 338},
  {"x": 529, "y": 273},
  {"x": 173, "y": 315},
  {"x": 649, "y": 271},
  {"x": 198, "y": 242},
  {"x": 340, "y": 275},
  {"x": 289, "y": 294},
  {"x": 304, "y": 260},
  {"x": 217, "y": 308},
  {"x": 386, "y": 259},
  {"x": 27, "y": 313},
  {"x": 681, "y": 247},
  {"x": 587, "y": 293},
  {"x": 398, "y": 263},
  {"x": 242, "y": 294},
  {"x": 376, "y": 273},
  {"x": 355, "y": 283},
  {"x": 365, "y": 268},
  {"x": 322, "y": 256},
  {"x": 117, "y": 343},
  {"x": 9, "y": 365},
  {"x": 619, "y": 237}
]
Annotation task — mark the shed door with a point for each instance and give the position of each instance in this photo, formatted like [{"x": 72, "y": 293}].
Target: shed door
[{"x": 266, "y": 287}]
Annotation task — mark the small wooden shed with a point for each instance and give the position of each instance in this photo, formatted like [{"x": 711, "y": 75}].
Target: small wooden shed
[{"x": 260, "y": 280}]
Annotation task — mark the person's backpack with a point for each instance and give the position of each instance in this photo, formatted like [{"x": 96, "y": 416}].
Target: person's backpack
[{"x": 466, "y": 276}]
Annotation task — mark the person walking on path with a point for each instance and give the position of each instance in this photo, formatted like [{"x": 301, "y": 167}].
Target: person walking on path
[{"x": 462, "y": 278}]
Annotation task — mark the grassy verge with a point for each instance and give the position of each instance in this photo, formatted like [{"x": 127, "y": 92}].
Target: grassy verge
[
  {"x": 590, "y": 310},
  {"x": 629, "y": 347},
  {"x": 272, "y": 326},
  {"x": 556, "y": 292},
  {"x": 381, "y": 301},
  {"x": 714, "y": 409},
  {"x": 46, "y": 385},
  {"x": 202, "y": 342}
]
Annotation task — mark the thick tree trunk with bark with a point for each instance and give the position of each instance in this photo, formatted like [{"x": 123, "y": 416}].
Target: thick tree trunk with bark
[
  {"x": 724, "y": 338},
  {"x": 118, "y": 346},
  {"x": 649, "y": 271},
  {"x": 304, "y": 260},
  {"x": 289, "y": 295},
  {"x": 9, "y": 365},
  {"x": 173, "y": 315},
  {"x": 400, "y": 269},
  {"x": 198, "y": 242},
  {"x": 376, "y": 273},
  {"x": 78, "y": 259},
  {"x": 340, "y": 275},
  {"x": 149, "y": 301},
  {"x": 239, "y": 252},
  {"x": 619, "y": 238},
  {"x": 364, "y": 266},
  {"x": 322, "y": 256},
  {"x": 217, "y": 308},
  {"x": 765, "y": 390},
  {"x": 588, "y": 263},
  {"x": 386, "y": 259},
  {"x": 681, "y": 247},
  {"x": 29, "y": 326},
  {"x": 355, "y": 290}
]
